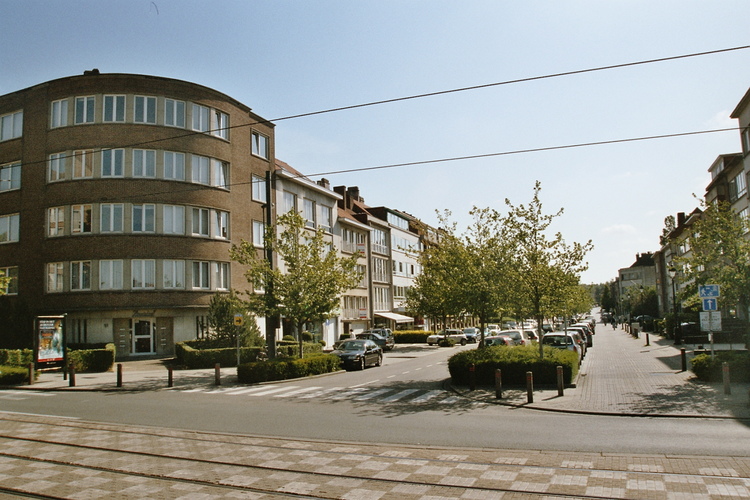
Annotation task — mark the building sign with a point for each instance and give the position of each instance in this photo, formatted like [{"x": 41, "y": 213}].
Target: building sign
[
  {"x": 362, "y": 313},
  {"x": 50, "y": 340}
]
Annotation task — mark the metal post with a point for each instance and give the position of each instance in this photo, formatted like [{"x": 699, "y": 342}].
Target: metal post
[
  {"x": 119, "y": 374},
  {"x": 217, "y": 374},
  {"x": 725, "y": 377},
  {"x": 31, "y": 373},
  {"x": 648, "y": 341},
  {"x": 560, "y": 384},
  {"x": 170, "y": 376},
  {"x": 683, "y": 358},
  {"x": 72, "y": 378},
  {"x": 472, "y": 377},
  {"x": 529, "y": 387},
  {"x": 498, "y": 384}
]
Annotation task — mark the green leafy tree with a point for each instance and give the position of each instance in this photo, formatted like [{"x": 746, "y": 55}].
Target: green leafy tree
[
  {"x": 719, "y": 254},
  {"x": 221, "y": 313},
  {"x": 545, "y": 267},
  {"x": 307, "y": 286}
]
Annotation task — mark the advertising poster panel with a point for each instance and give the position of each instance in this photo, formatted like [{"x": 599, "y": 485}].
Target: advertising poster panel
[{"x": 50, "y": 339}]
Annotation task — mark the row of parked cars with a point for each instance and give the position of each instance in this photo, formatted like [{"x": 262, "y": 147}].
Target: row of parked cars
[{"x": 365, "y": 348}]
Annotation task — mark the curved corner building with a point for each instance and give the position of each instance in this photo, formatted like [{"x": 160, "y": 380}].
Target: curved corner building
[{"x": 120, "y": 197}]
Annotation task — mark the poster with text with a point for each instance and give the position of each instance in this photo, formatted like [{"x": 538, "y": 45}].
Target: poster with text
[{"x": 50, "y": 347}]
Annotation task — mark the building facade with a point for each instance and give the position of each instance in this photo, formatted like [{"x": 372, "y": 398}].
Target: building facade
[{"x": 120, "y": 197}]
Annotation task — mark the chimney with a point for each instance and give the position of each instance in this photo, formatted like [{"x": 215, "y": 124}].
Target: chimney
[
  {"x": 324, "y": 182},
  {"x": 354, "y": 192},
  {"x": 680, "y": 219}
]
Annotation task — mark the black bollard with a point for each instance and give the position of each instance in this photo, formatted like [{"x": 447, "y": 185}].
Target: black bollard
[{"x": 498, "y": 384}]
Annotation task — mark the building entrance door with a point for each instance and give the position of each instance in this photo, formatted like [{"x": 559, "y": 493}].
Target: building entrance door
[{"x": 143, "y": 336}]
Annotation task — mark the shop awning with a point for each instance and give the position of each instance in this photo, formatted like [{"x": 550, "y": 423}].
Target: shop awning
[{"x": 398, "y": 318}]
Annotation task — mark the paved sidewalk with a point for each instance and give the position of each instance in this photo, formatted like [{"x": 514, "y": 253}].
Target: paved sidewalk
[{"x": 620, "y": 375}]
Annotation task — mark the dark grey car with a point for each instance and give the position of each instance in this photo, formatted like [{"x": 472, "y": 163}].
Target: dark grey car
[{"x": 359, "y": 354}]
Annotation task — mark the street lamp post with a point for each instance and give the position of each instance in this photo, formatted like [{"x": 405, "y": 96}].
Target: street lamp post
[{"x": 678, "y": 335}]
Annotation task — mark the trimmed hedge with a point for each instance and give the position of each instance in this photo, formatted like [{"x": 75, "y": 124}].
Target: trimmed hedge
[
  {"x": 709, "y": 369},
  {"x": 514, "y": 362},
  {"x": 411, "y": 336},
  {"x": 13, "y": 375},
  {"x": 193, "y": 358},
  {"x": 286, "y": 368},
  {"x": 291, "y": 348},
  {"x": 92, "y": 360},
  {"x": 16, "y": 357}
]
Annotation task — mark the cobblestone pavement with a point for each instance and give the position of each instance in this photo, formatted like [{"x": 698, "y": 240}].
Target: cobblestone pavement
[{"x": 50, "y": 457}]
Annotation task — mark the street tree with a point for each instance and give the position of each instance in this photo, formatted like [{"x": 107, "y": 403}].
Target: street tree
[
  {"x": 545, "y": 267},
  {"x": 307, "y": 285},
  {"x": 221, "y": 324},
  {"x": 719, "y": 254}
]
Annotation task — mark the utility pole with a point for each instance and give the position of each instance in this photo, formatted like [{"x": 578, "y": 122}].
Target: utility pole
[{"x": 272, "y": 321}]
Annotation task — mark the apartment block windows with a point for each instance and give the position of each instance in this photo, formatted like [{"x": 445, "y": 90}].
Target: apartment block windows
[
  {"x": 144, "y": 163},
  {"x": 56, "y": 167},
  {"x": 114, "y": 108},
  {"x": 174, "y": 219},
  {"x": 200, "y": 275},
  {"x": 259, "y": 231},
  {"x": 379, "y": 241},
  {"x": 259, "y": 189},
  {"x": 143, "y": 273},
  {"x": 737, "y": 187},
  {"x": 80, "y": 275},
  {"x": 144, "y": 218},
  {"x": 111, "y": 217},
  {"x": 11, "y": 286},
  {"x": 220, "y": 124},
  {"x": 174, "y": 113},
  {"x": 11, "y": 126},
  {"x": 221, "y": 275},
  {"x": 288, "y": 201},
  {"x": 83, "y": 164},
  {"x": 201, "y": 167},
  {"x": 80, "y": 219},
  {"x": 59, "y": 114},
  {"x": 380, "y": 269},
  {"x": 55, "y": 221},
  {"x": 259, "y": 145},
  {"x": 219, "y": 173},
  {"x": 324, "y": 217},
  {"x": 221, "y": 224},
  {"x": 84, "y": 110},
  {"x": 55, "y": 281},
  {"x": 174, "y": 166},
  {"x": 173, "y": 274},
  {"x": 200, "y": 118},
  {"x": 112, "y": 162},
  {"x": 9, "y": 228},
  {"x": 381, "y": 300},
  {"x": 145, "y": 109},
  {"x": 308, "y": 212},
  {"x": 200, "y": 221},
  {"x": 110, "y": 275},
  {"x": 10, "y": 177}
]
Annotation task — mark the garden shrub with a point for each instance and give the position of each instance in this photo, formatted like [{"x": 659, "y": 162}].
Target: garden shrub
[
  {"x": 446, "y": 342},
  {"x": 286, "y": 368},
  {"x": 92, "y": 360},
  {"x": 13, "y": 375},
  {"x": 411, "y": 336},
  {"x": 16, "y": 357},
  {"x": 709, "y": 369},
  {"x": 291, "y": 348},
  {"x": 514, "y": 362},
  {"x": 207, "y": 357}
]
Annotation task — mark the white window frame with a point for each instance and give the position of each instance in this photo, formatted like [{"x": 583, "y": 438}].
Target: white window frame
[
  {"x": 174, "y": 165},
  {"x": 219, "y": 173},
  {"x": 55, "y": 221},
  {"x": 173, "y": 274},
  {"x": 10, "y": 176},
  {"x": 9, "y": 225},
  {"x": 11, "y": 126},
  {"x": 219, "y": 124},
  {"x": 114, "y": 109},
  {"x": 259, "y": 189},
  {"x": 144, "y": 109},
  {"x": 86, "y": 105},
  {"x": 113, "y": 162},
  {"x": 55, "y": 277},
  {"x": 221, "y": 273},
  {"x": 11, "y": 287},
  {"x": 174, "y": 113},
  {"x": 174, "y": 219},
  {"x": 56, "y": 167},
  {"x": 200, "y": 167},
  {"x": 288, "y": 201},
  {"x": 144, "y": 218},
  {"x": 201, "y": 275},
  {"x": 259, "y": 234},
  {"x": 78, "y": 216},
  {"x": 144, "y": 163},
  {"x": 201, "y": 222},
  {"x": 259, "y": 146},
  {"x": 83, "y": 164},
  {"x": 111, "y": 274},
  {"x": 308, "y": 212},
  {"x": 59, "y": 113},
  {"x": 80, "y": 275},
  {"x": 111, "y": 217},
  {"x": 325, "y": 217},
  {"x": 221, "y": 224},
  {"x": 201, "y": 118},
  {"x": 143, "y": 274}
]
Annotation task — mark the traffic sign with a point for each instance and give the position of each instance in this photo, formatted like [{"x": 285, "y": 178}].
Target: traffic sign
[
  {"x": 710, "y": 305},
  {"x": 708, "y": 291},
  {"x": 710, "y": 322},
  {"x": 239, "y": 320}
]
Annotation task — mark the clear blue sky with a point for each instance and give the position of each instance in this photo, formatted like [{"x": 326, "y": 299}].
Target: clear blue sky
[{"x": 288, "y": 57}]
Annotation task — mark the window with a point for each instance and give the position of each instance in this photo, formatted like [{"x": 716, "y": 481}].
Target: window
[
  {"x": 324, "y": 217},
  {"x": 143, "y": 273},
  {"x": 144, "y": 163},
  {"x": 220, "y": 124},
  {"x": 200, "y": 275},
  {"x": 380, "y": 269},
  {"x": 10, "y": 177},
  {"x": 259, "y": 230},
  {"x": 56, "y": 167},
  {"x": 110, "y": 275},
  {"x": 111, "y": 215},
  {"x": 11, "y": 126},
  {"x": 174, "y": 166},
  {"x": 379, "y": 241},
  {"x": 59, "y": 113},
  {"x": 112, "y": 162},
  {"x": 114, "y": 108},
  {"x": 84, "y": 110},
  {"x": 173, "y": 274},
  {"x": 221, "y": 275},
  {"x": 145, "y": 109},
  {"x": 11, "y": 287},
  {"x": 174, "y": 219},
  {"x": 200, "y": 221},
  {"x": 200, "y": 118},
  {"x": 55, "y": 277},
  {"x": 80, "y": 220},
  {"x": 308, "y": 212},
  {"x": 174, "y": 113},
  {"x": 9, "y": 228},
  {"x": 288, "y": 201},
  {"x": 143, "y": 218},
  {"x": 55, "y": 221},
  {"x": 398, "y": 221},
  {"x": 259, "y": 189},
  {"x": 221, "y": 224},
  {"x": 201, "y": 169},
  {"x": 260, "y": 145},
  {"x": 381, "y": 298},
  {"x": 80, "y": 275},
  {"x": 737, "y": 187},
  {"x": 83, "y": 164},
  {"x": 220, "y": 174}
]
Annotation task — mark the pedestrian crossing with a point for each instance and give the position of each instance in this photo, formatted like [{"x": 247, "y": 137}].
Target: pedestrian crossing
[
  {"x": 382, "y": 395},
  {"x": 19, "y": 395}
]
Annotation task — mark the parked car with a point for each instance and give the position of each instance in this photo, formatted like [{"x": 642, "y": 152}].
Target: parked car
[
  {"x": 472, "y": 334},
  {"x": 383, "y": 342},
  {"x": 589, "y": 333},
  {"x": 386, "y": 333},
  {"x": 359, "y": 354},
  {"x": 519, "y": 337},
  {"x": 561, "y": 340},
  {"x": 500, "y": 340},
  {"x": 492, "y": 329},
  {"x": 458, "y": 335},
  {"x": 577, "y": 336}
]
